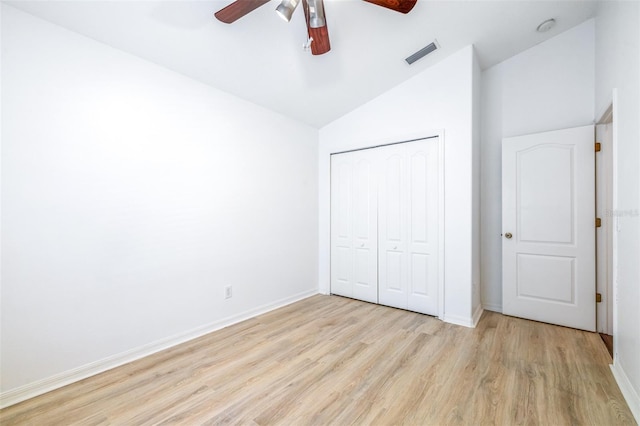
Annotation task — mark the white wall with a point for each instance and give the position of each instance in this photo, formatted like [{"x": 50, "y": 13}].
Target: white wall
[
  {"x": 618, "y": 67},
  {"x": 547, "y": 87},
  {"x": 440, "y": 98},
  {"x": 131, "y": 197},
  {"x": 476, "y": 115}
]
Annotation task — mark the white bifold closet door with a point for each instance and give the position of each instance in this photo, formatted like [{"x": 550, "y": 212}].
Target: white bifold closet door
[
  {"x": 408, "y": 226},
  {"x": 354, "y": 250},
  {"x": 384, "y": 225}
]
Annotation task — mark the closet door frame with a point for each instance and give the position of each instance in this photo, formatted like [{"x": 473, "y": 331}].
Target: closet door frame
[{"x": 325, "y": 287}]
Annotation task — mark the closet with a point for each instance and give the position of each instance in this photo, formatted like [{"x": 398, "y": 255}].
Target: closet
[{"x": 385, "y": 225}]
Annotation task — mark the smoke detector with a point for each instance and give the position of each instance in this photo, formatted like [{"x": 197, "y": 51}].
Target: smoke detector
[{"x": 546, "y": 25}]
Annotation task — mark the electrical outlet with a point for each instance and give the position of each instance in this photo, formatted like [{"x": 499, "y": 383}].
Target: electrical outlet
[{"x": 228, "y": 292}]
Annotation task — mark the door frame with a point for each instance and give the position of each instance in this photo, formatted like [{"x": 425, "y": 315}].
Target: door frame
[
  {"x": 325, "y": 285},
  {"x": 609, "y": 111},
  {"x": 604, "y": 235}
]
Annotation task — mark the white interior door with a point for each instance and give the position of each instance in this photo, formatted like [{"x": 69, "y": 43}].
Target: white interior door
[
  {"x": 408, "y": 226},
  {"x": 354, "y": 226},
  {"x": 548, "y": 218}
]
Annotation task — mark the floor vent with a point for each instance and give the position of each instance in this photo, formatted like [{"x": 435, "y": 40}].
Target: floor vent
[{"x": 423, "y": 52}]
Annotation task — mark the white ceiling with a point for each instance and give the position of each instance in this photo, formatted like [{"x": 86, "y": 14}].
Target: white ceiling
[{"x": 260, "y": 57}]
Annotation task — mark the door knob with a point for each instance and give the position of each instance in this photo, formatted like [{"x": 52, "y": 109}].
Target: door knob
[
  {"x": 508, "y": 235},
  {"x": 362, "y": 245},
  {"x": 395, "y": 247}
]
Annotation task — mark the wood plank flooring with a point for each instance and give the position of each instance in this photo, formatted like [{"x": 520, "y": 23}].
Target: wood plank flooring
[{"x": 331, "y": 360}]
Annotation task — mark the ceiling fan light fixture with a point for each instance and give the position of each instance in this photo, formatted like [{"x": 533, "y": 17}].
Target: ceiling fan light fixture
[
  {"x": 286, "y": 8},
  {"x": 316, "y": 14}
]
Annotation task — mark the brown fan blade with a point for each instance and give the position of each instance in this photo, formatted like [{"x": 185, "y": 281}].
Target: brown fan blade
[
  {"x": 320, "y": 44},
  {"x": 402, "y": 6},
  {"x": 238, "y": 9}
]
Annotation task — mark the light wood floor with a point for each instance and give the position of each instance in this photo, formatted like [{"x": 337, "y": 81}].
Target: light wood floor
[{"x": 331, "y": 360}]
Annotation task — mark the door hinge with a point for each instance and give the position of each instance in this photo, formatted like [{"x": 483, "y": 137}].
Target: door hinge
[
  {"x": 598, "y": 298},
  {"x": 598, "y": 147},
  {"x": 598, "y": 222}
]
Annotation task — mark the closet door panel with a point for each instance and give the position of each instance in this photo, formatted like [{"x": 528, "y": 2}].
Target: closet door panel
[
  {"x": 353, "y": 227},
  {"x": 419, "y": 273},
  {"x": 423, "y": 226},
  {"x": 341, "y": 225},
  {"x": 418, "y": 229},
  {"x": 393, "y": 201},
  {"x": 365, "y": 228},
  {"x": 392, "y": 232}
]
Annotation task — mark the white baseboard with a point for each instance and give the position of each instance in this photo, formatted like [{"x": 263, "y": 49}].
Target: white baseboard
[
  {"x": 629, "y": 393},
  {"x": 457, "y": 320},
  {"x": 59, "y": 380},
  {"x": 493, "y": 307},
  {"x": 470, "y": 322},
  {"x": 477, "y": 315}
]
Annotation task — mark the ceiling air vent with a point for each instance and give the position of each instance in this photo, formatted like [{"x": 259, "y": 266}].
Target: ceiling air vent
[{"x": 423, "y": 52}]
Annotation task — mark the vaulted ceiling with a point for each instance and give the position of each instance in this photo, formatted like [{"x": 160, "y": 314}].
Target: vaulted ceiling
[{"x": 260, "y": 57}]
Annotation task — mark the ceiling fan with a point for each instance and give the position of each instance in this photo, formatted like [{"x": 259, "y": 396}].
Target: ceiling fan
[{"x": 313, "y": 12}]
